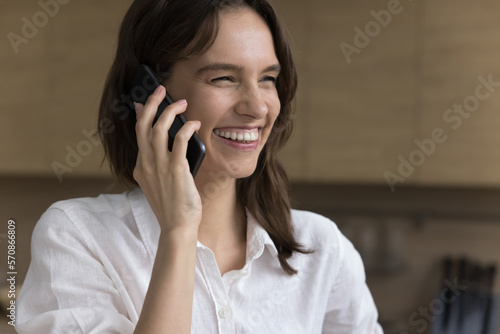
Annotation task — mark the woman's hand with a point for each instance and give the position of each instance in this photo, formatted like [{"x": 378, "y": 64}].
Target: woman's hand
[{"x": 164, "y": 176}]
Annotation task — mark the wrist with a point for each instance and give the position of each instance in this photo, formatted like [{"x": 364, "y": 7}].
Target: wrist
[{"x": 179, "y": 236}]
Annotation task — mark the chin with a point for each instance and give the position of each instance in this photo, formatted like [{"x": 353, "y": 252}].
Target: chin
[
  {"x": 241, "y": 169},
  {"x": 223, "y": 172}
]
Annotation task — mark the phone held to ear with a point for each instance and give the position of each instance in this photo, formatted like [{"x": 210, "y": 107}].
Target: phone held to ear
[{"x": 145, "y": 83}]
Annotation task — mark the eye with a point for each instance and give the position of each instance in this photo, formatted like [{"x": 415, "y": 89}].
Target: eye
[
  {"x": 226, "y": 78},
  {"x": 270, "y": 79}
]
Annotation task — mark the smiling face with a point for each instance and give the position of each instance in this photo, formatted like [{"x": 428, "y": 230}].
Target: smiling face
[{"x": 231, "y": 89}]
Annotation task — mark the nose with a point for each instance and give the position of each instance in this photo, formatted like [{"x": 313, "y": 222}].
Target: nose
[{"x": 252, "y": 103}]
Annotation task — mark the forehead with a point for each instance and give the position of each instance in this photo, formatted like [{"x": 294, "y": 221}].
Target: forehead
[{"x": 243, "y": 37}]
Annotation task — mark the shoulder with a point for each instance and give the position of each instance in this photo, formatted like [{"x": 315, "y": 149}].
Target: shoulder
[
  {"x": 114, "y": 204},
  {"x": 320, "y": 234},
  {"x": 313, "y": 228},
  {"x": 85, "y": 216}
]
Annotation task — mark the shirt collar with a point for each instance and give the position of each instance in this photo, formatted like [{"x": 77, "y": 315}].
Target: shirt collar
[
  {"x": 257, "y": 239},
  {"x": 149, "y": 229}
]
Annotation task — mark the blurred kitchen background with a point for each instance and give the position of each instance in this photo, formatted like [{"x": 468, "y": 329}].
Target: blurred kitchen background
[{"x": 396, "y": 137}]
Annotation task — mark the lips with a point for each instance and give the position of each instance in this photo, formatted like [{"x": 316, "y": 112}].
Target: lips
[{"x": 238, "y": 135}]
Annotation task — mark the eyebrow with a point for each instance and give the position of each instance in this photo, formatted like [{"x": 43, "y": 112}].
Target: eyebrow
[{"x": 232, "y": 67}]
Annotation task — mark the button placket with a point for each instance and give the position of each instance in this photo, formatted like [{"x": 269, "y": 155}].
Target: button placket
[{"x": 218, "y": 291}]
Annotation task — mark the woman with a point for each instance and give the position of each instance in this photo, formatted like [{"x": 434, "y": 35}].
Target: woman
[{"x": 220, "y": 253}]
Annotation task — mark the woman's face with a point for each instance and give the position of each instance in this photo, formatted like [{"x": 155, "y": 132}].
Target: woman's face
[{"x": 231, "y": 90}]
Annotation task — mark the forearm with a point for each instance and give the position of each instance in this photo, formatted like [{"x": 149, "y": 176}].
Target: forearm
[{"x": 169, "y": 301}]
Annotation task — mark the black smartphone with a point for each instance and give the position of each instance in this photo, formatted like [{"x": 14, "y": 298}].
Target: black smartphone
[{"x": 144, "y": 84}]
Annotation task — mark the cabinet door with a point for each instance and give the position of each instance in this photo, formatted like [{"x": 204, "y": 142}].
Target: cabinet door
[{"x": 461, "y": 51}]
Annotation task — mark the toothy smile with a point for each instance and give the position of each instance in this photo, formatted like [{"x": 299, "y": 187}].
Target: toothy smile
[{"x": 246, "y": 136}]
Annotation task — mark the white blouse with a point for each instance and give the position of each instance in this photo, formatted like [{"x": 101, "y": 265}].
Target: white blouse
[{"x": 92, "y": 260}]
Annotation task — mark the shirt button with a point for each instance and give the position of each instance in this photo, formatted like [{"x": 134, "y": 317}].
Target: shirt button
[{"x": 224, "y": 313}]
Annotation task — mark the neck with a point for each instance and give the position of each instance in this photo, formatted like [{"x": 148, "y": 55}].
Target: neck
[{"x": 223, "y": 224}]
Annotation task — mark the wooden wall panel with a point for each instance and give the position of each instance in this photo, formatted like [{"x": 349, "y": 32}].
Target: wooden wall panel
[
  {"x": 461, "y": 43},
  {"x": 362, "y": 112},
  {"x": 53, "y": 84},
  {"x": 354, "y": 119},
  {"x": 297, "y": 17},
  {"x": 24, "y": 90}
]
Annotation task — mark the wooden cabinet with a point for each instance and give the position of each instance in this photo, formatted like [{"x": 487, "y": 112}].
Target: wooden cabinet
[{"x": 374, "y": 78}]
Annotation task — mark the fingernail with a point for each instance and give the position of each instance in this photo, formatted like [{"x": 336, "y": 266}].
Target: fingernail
[
  {"x": 137, "y": 107},
  {"x": 158, "y": 90},
  {"x": 181, "y": 102}
]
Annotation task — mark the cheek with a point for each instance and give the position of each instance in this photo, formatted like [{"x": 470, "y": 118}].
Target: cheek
[
  {"x": 207, "y": 108},
  {"x": 201, "y": 107},
  {"x": 274, "y": 113},
  {"x": 274, "y": 108}
]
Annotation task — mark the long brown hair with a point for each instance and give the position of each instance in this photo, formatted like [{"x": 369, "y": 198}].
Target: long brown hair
[{"x": 162, "y": 32}]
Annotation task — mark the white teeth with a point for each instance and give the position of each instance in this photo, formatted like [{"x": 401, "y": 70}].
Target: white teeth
[{"x": 242, "y": 137}]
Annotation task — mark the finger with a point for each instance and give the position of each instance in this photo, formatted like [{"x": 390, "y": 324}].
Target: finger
[
  {"x": 145, "y": 151},
  {"x": 160, "y": 129},
  {"x": 139, "y": 108},
  {"x": 179, "y": 149},
  {"x": 145, "y": 115},
  {"x": 151, "y": 106}
]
